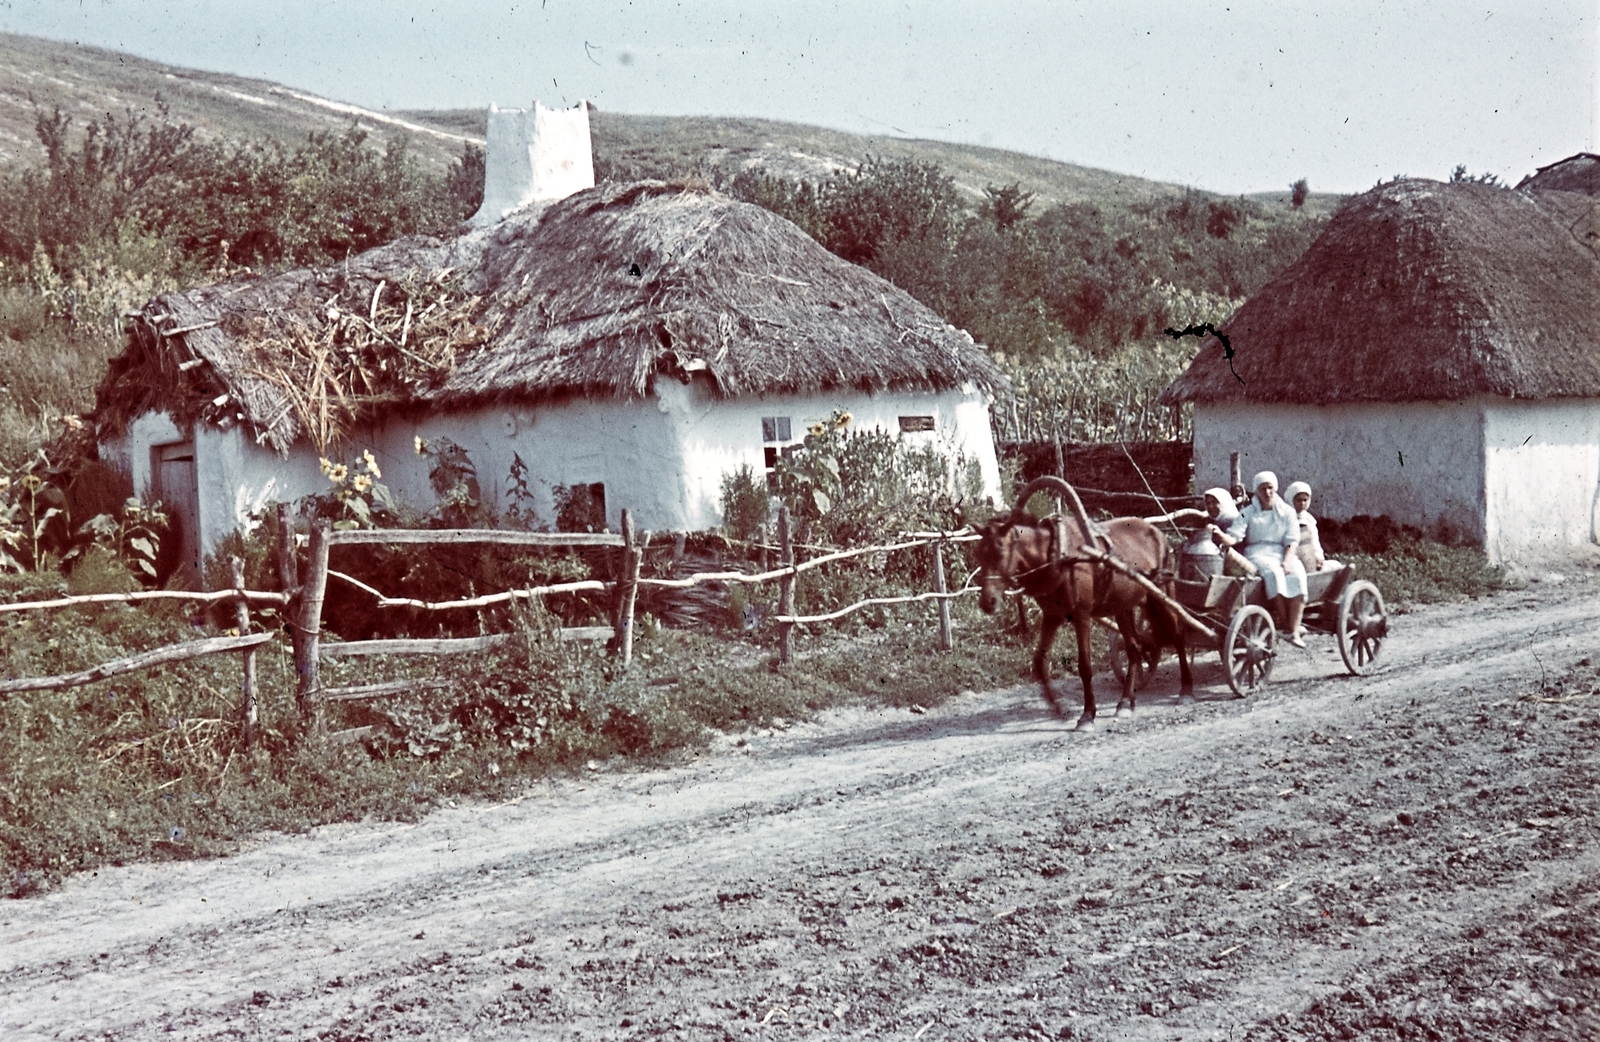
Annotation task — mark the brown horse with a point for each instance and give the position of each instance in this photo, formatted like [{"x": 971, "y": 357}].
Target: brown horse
[{"x": 1043, "y": 557}]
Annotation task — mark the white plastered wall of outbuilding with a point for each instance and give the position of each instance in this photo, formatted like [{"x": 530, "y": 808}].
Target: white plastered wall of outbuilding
[
  {"x": 662, "y": 457},
  {"x": 1417, "y": 462},
  {"x": 1542, "y": 474}
]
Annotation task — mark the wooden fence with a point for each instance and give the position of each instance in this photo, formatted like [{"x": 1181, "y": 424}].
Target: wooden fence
[{"x": 303, "y": 597}]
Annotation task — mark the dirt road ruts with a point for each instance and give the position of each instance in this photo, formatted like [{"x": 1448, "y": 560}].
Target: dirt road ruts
[{"x": 1412, "y": 854}]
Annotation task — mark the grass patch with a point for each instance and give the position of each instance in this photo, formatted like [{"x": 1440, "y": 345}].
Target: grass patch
[
  {"x": 149, "y": 766},
  {"x": 1416, "y": 570}
]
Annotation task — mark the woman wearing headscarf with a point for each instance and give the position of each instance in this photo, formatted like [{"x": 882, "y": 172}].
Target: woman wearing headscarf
[
  {"x": 1310, "y": 552},
  {"x": 1269, "y": 532}
]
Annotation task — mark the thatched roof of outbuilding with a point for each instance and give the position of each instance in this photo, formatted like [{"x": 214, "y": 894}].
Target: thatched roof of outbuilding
[
  {"x": 595, "y": 296},
  {"x": 1578, "y": 173},
  {"x": 1421, "y": 291}
]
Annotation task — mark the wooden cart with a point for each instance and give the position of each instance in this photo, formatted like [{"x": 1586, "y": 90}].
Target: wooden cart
[{"x": 1336, "y": 602}]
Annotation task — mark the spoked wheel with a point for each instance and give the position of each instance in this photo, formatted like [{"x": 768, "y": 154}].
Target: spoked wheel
[
  {"x": 1249, "y": 650},
  {"x": 1363, "y": 623}
]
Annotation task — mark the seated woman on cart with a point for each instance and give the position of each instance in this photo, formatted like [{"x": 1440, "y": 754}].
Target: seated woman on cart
[{"x": 1269, "y": 532}]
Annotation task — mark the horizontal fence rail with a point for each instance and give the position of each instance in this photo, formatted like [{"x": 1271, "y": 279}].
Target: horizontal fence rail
[
  {"x": 213, "y": 597},
  {"x": 144, "y": 660},
  {"x": 377, "y": 536}
]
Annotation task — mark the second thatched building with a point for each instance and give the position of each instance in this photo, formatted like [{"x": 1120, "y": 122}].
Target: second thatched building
[{"x": 1434, "y": 356}]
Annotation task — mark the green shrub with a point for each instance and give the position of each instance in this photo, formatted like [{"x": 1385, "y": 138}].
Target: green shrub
[{"x": 745, "y": 503}]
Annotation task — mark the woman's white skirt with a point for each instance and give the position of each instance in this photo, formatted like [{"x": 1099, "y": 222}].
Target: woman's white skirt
[{"x": 1281, "y": 581}]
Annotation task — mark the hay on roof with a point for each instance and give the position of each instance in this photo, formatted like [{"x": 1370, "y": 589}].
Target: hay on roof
[
  {"x": 1421, "y": 291},
  {"x": 595, "y": 296}
]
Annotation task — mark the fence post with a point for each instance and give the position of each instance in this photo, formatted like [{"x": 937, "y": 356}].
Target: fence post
[
  {"x": 308, "y": 692},
  {"x": 946, "y": 638},
  {"x": 786, "y": 587},
  {"x": 627, "y": 589},
  {"x": 287, "y": 572},
  {"x": 1235, "y": 479},
  {"x": 249, "y": 713}
]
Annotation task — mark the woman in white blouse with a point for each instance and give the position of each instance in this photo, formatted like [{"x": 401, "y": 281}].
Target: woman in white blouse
[{"x": 1269, "y": 531}]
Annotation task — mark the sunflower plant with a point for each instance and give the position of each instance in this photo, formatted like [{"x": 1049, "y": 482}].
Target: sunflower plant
[{"x": 356, "y": 496}]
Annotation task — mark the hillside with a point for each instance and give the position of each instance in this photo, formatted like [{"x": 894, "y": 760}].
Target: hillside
[{"x": 89, "y": 82}]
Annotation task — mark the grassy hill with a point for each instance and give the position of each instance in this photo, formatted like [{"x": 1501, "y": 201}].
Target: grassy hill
[{"x": 89, "y": 82}]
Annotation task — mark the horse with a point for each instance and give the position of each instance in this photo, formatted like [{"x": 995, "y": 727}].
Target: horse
[{"x": 1045, "y": 559}]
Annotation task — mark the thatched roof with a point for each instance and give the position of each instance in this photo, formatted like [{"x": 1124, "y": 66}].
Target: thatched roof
[
  {"x": 543, "y": 305},
  {"x": 1418, "y": 290},
  {"x": 1579, "y": 173}
]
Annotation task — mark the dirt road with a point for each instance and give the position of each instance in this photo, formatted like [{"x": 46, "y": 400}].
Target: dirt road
[{"x": 1412, "y": 854}]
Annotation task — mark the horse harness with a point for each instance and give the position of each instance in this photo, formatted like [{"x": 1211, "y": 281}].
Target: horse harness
[{"x": 1057, "y": 558}]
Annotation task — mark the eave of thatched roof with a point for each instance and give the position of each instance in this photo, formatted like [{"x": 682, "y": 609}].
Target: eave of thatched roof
[
  {"x": 1422, "y": 291},
  {"x": 1577, "y": 173},
  {"x": 722, "y": 288}
]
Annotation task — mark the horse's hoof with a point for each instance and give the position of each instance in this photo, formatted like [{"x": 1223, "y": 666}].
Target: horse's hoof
[
  {"x": 1085, "y": 723},
  {"x": 1124, "y": 712},
  {"x": 1186, "y": 700}
]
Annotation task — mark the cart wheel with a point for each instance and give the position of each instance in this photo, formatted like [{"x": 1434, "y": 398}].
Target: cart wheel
[
  {"x": 1249, "y": 650},
  {"x": 1119, "y": 664},
  {"x": 1363, "y": 623}
]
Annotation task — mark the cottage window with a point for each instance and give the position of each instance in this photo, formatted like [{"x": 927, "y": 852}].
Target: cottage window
[
  {"x": 777, "y": 438},
  {"x": 913, "y": 424}
]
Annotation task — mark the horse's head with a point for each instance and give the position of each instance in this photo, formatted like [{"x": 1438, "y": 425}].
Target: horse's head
[{"x": 994, "y": 552}]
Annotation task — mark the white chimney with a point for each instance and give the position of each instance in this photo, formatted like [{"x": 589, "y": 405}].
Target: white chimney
[{"x": 537, "y": 155}]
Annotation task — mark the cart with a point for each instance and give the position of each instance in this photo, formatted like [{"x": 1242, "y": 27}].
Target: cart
[{"x": 1336, "y": 602}]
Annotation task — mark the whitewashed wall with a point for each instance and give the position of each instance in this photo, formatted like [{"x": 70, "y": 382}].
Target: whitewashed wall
[
  {"x": 1542, "y": 470},
  {"x": 1417, "y": 462},
  {"x": 663, "y": 458}
]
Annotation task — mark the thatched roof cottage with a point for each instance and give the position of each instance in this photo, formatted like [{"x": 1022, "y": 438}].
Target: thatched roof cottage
[
  {"x": 641, "y": 340},
  {"x": 1434, "y": 356}
]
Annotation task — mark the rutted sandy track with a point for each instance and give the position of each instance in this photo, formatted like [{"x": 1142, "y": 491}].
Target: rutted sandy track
[{"x": 1235, "y": 868}]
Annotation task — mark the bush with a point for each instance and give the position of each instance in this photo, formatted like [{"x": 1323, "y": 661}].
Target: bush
[{"x": 745, "y": 503}]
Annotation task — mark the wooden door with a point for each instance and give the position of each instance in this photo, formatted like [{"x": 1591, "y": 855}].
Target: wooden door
[{"x": 177, "y": 486}]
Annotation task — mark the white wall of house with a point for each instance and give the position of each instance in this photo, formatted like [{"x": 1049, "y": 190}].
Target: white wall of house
[
  {"x": 1418, "y": 462},
  {"x": 663, "y": 458},
  {"x": 1542, "y": 473}
]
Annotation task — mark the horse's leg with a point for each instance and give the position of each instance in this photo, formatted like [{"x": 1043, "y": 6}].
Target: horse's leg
[
  {"x": 1082, "y": 624},
  {"x": 1171, "y": 630},
  {"x": 1049, "y": 623},
  {"x": 1131, "y": 636}
]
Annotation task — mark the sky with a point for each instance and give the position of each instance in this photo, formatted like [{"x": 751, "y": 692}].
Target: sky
[{"x": 1231, "y": 97}]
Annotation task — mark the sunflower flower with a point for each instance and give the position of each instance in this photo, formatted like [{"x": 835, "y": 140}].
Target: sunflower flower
[
  {"x": 337, "y": 473},
  {"x": 372, "y": 463},
  {"x": 419, "y": 445},
  {"x": 818, "y": 429},
  {"x": 361, "y": 482}
]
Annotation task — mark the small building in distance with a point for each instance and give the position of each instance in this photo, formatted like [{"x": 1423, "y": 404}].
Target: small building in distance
[
  {"x": 636, "y": 342},
  {"x": 1435, "y": 357}
]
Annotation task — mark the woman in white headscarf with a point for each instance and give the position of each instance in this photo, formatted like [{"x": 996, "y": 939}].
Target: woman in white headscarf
[
  {"x": 1310, "y": 553},
  {"x": 1269, "y": 532}
]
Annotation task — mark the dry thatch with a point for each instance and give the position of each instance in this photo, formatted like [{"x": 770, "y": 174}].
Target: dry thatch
[
  {"x": 596, "y": 295},
  {"x": 302, "y": 354},
  {"x": 1422, "y": 291},
  {"x": 1579, "y": 173}
]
